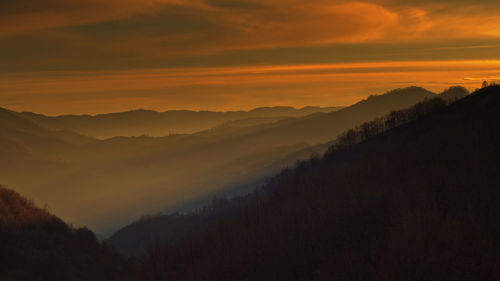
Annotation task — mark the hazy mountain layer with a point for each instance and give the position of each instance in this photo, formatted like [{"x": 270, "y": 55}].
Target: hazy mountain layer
[
  {"x": 412, "y": 196},
  {"x": 133, "y": 238},
  {"x": 106, "y": 183},
  {"x": 153, "y": 123}
]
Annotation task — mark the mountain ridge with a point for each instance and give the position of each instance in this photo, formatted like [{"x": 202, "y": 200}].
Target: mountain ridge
[
  {"x": 416, "y": 202},
  {"x": 37, "y": 245},
  {"x": 159, "y": 171},
  {"x": 120, "y": 241},
  {"x": 155, "y": 123}
]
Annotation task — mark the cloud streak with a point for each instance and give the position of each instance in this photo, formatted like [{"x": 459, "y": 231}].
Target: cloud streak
[
  {"x": 263, "y": 22},
  {"x": 191, "y": 40},
  {"x": 85, "y": 30},
  {"x": 30, "y": 15},
  {"x": 227, "y": 88}
]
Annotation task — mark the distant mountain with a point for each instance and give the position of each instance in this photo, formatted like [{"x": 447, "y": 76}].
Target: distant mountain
[
  {"x": 17, "y": 127},
  {"x": 26, "y": 147},
  {"x": 326, "y": 127},
  {"x": 454, "y": 93},
  {"x": 321, "y": 127},
  {"x": 153, "y": 123},
  {"x": 410, "y": 196},
  {"x": 107, "y": 183},
  {"x": 36, "y": 245}
]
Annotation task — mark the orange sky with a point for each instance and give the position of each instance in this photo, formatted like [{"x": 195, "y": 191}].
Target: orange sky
[{"x": 90, "y": 56}]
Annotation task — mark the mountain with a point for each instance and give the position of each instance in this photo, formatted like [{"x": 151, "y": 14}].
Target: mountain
[
  {"x": 29, "y": 149},
  {"x": 133, "y": 238},
  {"x": 16, "y": 127},
  {"x": 454, "y": 93},
  {"x": 36, "y": 245},
  {"x": 153, "y": 123},
  {"x": 105, "y": 184},
  {"x": 411, "y": 196},
  {"x": 326, "y": 127}
]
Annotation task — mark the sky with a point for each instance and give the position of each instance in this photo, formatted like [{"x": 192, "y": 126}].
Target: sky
[{"x": 94, "y": 56}]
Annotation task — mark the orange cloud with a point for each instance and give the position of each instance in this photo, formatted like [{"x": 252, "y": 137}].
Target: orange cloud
[
  {"x": 227, "y": 88},
  {"x": 25, "y": 15},
  {"x": 207, "y": 26},
  {"x": 433, "y": 21},
  {"x": 310, "y": 23}
]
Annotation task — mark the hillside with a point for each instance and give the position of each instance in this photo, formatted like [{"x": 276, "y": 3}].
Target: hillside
[
  {"x": 153, "y": 123},
  {"x": 179, "y": 172},
  {"x": 412, "y": 196},
  {"x": 133, "y": 238},
  {"x": 30, "y": 152},
  {"x": 36, "y": 245},
  {"x": 15, "y": 127}
]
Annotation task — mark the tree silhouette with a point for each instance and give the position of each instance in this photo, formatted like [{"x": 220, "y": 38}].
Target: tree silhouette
[{"x": 412, "y": 196}]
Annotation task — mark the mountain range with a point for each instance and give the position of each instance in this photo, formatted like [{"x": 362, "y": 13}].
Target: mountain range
[
  {"x": 37, "y": 246},
  {"x": 409, "y": 195},
  {"x": 153, "y": 123},
  {"x": 106, "y": 183}
]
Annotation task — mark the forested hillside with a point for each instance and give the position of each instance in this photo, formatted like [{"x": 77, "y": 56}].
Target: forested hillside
[
  {"x": 412, "y": 196},
  {"x": 409, "y": 196},
  {"x": 71, "y": 172},
  {"x": 36, "y": 245}
]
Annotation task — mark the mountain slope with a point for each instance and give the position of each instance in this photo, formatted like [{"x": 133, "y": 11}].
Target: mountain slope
[
  {"x": 148, "y": 122},
  {"x": 16, "y": 128},
  {"x": 416, "y": 202},
  {"x": 141, "y": 175},
  {"x": 324, "y": 128},
  {"x": 36, "y": 245},
  {"x": 158, "y": 225}
]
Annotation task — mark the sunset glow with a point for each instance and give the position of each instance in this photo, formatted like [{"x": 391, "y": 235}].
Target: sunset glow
[
  {"x": 92, "y": 57},
  {"x": 232, "y": 88},
  {"x": 223, "y": 140}
]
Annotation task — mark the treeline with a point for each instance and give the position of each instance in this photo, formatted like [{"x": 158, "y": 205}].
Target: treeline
[
  {"x": 394, "y": 119},
  {"x": 411, "y": 196},
  {"x": 417, "y": 202},
  {"x": 36, "y": 245},
  {"x": 135, "y": 239},
  {"x": 132, "y": 240},
  {"x": 397, "y": 118}
]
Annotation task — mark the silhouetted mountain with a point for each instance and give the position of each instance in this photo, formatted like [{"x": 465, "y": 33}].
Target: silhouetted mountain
[
  {"x": 133, "y": 239},
  {"x": 36, "y": 245},
  {"x": 180, "y": 172},
  {"x": 326, "y": 127},
  {"x": 411, "y": 196},
  {"x": 454, "y": 93},
  {"x": 153, "y": 123}
]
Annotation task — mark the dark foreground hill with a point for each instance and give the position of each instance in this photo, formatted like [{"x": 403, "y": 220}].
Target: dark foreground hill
[
  {"x": 412, "y": 196},
  {"x": 315, "y": 129},
  {"x": 35, "y": 245}
]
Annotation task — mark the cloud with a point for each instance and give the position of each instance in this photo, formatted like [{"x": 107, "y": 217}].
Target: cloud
[
  {"x": 237, "y": 23},
  {"x": 203, "y": 26},
  {"x": 31, "y": 15},
  {"x": 312, "y": 23},
  {"x": 76, "y": 34},
  {"x": 227, "y": 88}
]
